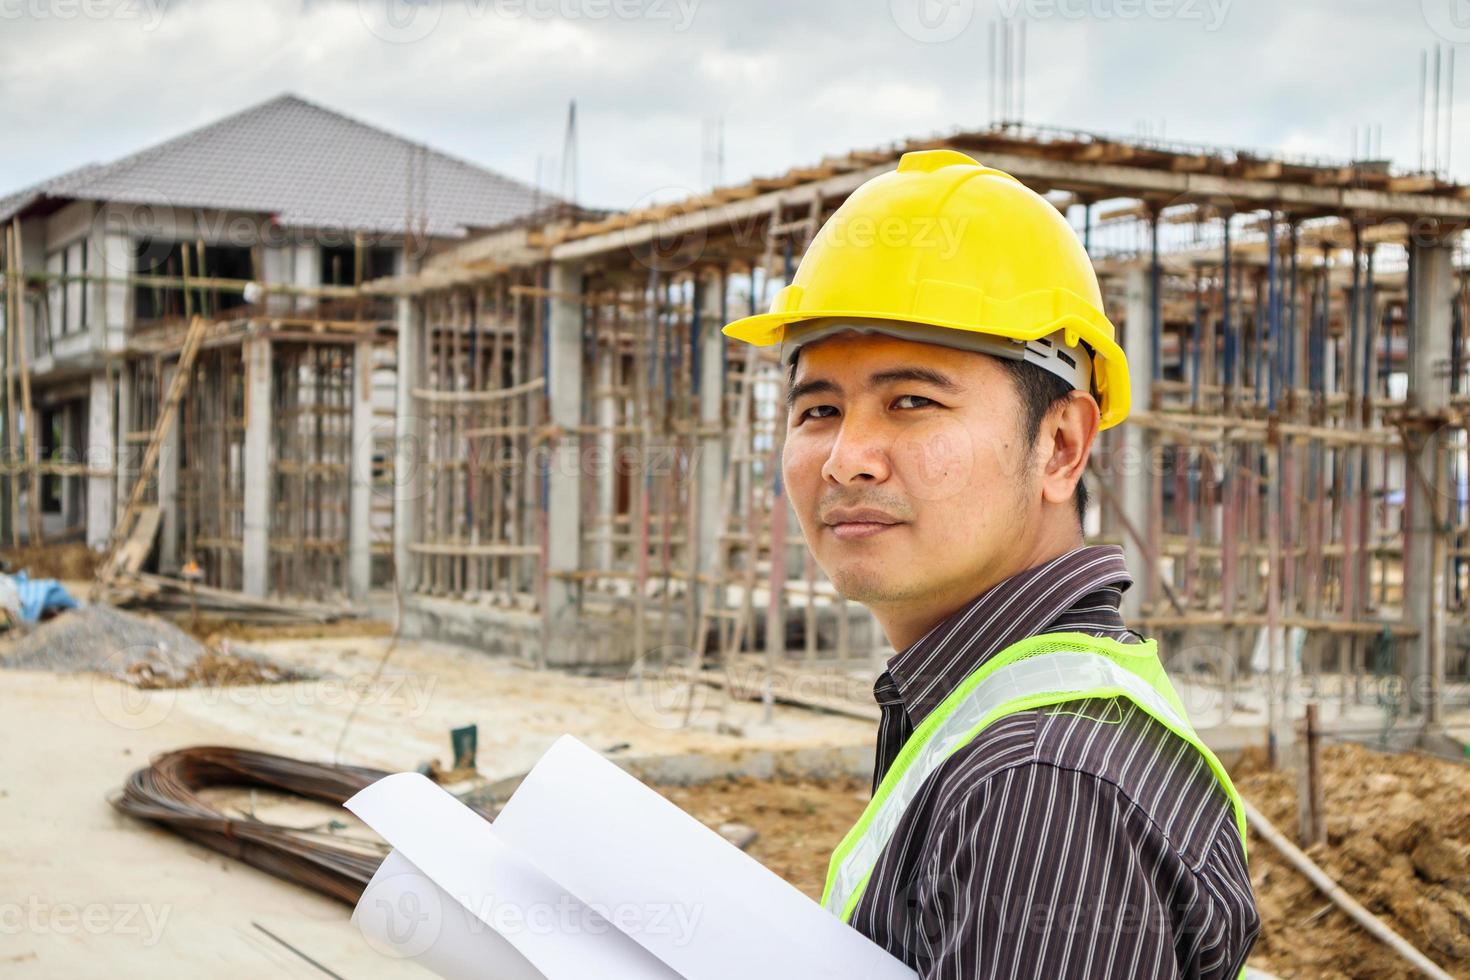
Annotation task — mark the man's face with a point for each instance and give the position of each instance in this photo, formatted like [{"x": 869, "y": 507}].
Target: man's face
[{"x": 906, "y": 467}]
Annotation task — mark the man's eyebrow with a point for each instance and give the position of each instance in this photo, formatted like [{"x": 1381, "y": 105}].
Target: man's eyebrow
[
  {"x": 925, "y": 375},
  {"x": 826, "y": 386},
  {"x": 813, "y": 387}
]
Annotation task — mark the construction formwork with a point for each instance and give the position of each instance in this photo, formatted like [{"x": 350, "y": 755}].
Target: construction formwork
[
  {"x": 279, "y": 455},
  {"x": 259, "y": 447},
  {"x": 615, "y": 486},
  {"x": 1287, "y": 489}
]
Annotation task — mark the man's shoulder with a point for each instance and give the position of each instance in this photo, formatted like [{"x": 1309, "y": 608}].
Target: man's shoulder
[{"x": 1168, "y": 788}]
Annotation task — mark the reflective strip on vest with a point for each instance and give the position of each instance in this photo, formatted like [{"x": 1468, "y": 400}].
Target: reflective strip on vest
[{"x": 1069, "y": 675}]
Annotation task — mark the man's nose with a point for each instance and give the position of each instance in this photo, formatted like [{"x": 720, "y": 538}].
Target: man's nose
[{"x": 859, "y": 454}]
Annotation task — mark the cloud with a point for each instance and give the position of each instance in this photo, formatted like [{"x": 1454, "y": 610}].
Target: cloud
[{"x": 489, "y": 80}]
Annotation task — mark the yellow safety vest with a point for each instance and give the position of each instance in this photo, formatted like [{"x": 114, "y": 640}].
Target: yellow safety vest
[{"x": 1035, "y": 672}]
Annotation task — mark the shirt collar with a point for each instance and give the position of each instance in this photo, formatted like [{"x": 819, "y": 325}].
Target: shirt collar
[{"x": 1022, "y": 605}]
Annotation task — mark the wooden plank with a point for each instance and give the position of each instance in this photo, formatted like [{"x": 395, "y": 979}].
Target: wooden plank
[{"x": 109, "y": 567}]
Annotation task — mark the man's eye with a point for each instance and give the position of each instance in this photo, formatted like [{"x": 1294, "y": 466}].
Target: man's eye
[
  {"x": 912, "y": 401},
  {"x": 819, "y": 412}
]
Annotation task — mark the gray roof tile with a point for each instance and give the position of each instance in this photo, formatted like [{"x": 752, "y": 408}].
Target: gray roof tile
[{"x": 308, "y": 165}]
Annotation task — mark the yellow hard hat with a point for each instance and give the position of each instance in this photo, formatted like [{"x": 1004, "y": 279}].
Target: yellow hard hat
[{"x": 946, "y": 242}]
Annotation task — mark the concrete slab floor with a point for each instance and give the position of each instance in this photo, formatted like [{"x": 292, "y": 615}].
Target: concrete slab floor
[{"x": 88, "y": 892}]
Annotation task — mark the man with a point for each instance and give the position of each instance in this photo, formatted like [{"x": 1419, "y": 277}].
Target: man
[{"x": 1041, "y": 806}]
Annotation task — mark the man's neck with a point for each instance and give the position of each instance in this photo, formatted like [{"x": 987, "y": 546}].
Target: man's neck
[{"x": 906, "y": 623}]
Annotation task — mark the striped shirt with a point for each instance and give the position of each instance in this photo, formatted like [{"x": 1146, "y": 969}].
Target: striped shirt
[{"x": 1080, "y": 840}]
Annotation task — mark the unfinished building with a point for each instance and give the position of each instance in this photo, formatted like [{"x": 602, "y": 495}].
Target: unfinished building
[
  {"x": 275, "y": 479},
  {"x": 598, "y": 481}
]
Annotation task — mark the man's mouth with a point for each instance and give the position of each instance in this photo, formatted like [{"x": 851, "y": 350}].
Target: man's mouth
[{"x": 851, "y": 524}]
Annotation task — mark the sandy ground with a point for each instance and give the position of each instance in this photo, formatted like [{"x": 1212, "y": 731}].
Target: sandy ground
[
  {"x": 88, "y": 893},
  {"x": 1398, "y": 840}
]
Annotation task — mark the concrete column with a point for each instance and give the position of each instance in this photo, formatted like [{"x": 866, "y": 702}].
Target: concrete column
[
  {"x": 306, "y": 271},
  {"x": 408, "y": 445},
  {"x": 257, "y": 462},
  {"x": 564, "y": 395},
  {"x": 360, "y": 493},
  {"x": 72, "y": 450},
  {"x": 129, "y": 454},
  {"x": 1131, "y": 469},
  {"x": 1429, "y": 391},
  {"x": 606, "y": 473},
  {"x": 101, "y": 454},
  {"x": 711, "y": 471},
  {"x": 168, "y": 483},
  {"x": 277, "y": 265}
]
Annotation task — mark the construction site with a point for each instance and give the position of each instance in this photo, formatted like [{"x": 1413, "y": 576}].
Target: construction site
[{"x": 427, "y": 480}]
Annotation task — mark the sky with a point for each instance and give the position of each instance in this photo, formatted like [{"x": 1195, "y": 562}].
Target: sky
[{"x": 785, "y": 81}]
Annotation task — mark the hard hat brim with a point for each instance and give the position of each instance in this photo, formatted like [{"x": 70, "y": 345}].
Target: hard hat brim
[{"x": 1110, "y": 368}]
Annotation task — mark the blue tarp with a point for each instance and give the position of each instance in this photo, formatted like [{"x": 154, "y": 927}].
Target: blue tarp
[{"x": 39, "y": 596}]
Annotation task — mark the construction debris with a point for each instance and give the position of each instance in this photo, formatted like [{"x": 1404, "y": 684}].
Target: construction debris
[
  {"x": 140, "y": 650},
  {"x": 27, "y": 601},
  {"x": 164, "y": 594}
]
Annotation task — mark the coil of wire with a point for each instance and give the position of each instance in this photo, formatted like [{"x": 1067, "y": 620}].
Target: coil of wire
[{"x": 167, "y": 792}]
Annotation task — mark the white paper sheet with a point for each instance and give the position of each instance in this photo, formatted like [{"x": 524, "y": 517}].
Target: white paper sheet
[
  {"x": 405, "y": 915},
  {"x": 459, "y": 852},
  {"x": 700, "y": 904}
]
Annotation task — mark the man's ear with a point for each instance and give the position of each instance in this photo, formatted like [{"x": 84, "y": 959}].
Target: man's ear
[{"x": 1066, "y": 438}]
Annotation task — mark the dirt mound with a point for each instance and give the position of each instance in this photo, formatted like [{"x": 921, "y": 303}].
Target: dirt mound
[
  {"x": 1398, "y": 834},
  {"x": 141, "y": 650},
  {"x": 798, "y": 821},
  {"x": 1398, "y": 839}
]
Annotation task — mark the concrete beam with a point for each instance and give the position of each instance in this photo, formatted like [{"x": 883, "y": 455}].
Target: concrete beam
[
  {"x": 711, "y": 464},
  {"x": 408, "y": 444},
  {"x": 101, "y": 452},
  {"x": 1131, "y": 472},
  {"x": 606, "y": 473},
  {"x": 168, "y": 485},
  {"x": 129, "y": 454},
  {"x": 360, "y": 490},
  {"x": 1428, "y": 490},
  {"x": 257, "y": 465},
  {"x": 1112, "y": 179},
  {"x": 74, "y": 439},
  {"x": 564, "y": 386}
]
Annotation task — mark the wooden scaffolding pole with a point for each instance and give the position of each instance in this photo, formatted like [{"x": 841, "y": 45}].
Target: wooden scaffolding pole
[{"x": 110, "y": 565}]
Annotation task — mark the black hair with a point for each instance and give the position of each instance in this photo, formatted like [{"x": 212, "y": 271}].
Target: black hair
[{"x": 1040, "y": 392}]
